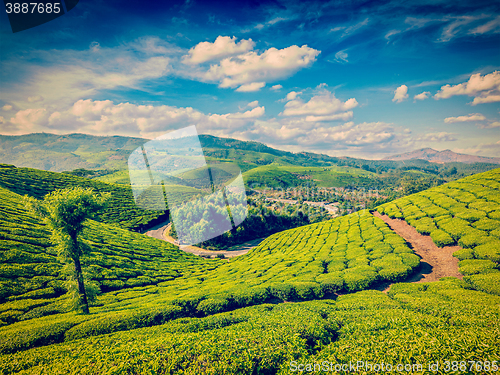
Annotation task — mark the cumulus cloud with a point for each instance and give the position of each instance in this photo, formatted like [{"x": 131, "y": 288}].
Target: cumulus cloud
[
  {"x": 7, "y": 107},
  {"x": 223, "y": 46},
  {"x": 249, "y": 87},
  {"x": 253, "y": 113},
  {"x": 484, "y": 89},
  {"x": 253, "y": 104},
  {"x": 252, "y": 69},
  {"x": 324, "y": 104},
  {"x": 291, "y": 95},
  {"x": 470, "y": 117},
  {"x": 103, "y": 117},
  {"x": 276, "y": 87},
  {"x": 400, "y": 94},
  {"x": 422, "y": 96}
]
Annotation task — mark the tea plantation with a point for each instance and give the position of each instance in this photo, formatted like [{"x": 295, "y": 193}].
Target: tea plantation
[
  {"x": 121, "y": 210},
  {"x": 464, "y": 212},
  {"x": 162, "y": 311}
]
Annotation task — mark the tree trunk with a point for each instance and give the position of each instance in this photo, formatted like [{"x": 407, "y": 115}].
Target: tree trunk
[{"x": 82, "y": 294}]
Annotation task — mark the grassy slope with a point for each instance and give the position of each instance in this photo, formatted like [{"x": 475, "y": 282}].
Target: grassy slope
[{"x": 366, "y": 325}]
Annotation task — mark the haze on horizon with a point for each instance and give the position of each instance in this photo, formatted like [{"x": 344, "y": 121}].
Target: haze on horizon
[{"x": 359, "y": 79}]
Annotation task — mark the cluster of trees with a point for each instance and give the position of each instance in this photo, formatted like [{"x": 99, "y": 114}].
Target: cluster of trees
[{"x": 261, "y": 220}]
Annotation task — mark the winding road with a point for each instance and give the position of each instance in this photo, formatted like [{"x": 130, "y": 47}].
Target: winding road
[{"x": 160, "y": 232}]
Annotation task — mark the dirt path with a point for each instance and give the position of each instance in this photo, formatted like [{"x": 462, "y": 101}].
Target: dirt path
[
  {"x": 436, "y": 262},
  {"x": 161, "y": 230}
]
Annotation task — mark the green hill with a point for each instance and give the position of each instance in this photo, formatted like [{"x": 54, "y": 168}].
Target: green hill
[
  {"x": 122, "y": 209},
  {"x": 281, "y": 176},
  {"x": 466, "y": 213},
  {"x": 82, "y": 151},
  {"x": 164, "y": 311}
]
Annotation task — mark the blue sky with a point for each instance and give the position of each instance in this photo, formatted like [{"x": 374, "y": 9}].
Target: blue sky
[{"x": 359, "y": 78}]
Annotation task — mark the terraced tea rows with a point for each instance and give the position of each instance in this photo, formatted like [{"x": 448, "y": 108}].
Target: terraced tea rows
[
  {"x": 464, "y": 212},
  {"x": 122, "y": 209},
  {"x": 415, "y": 324},
  {"x": 31, "y": 283},
  {"x": 345, "y": 254}
]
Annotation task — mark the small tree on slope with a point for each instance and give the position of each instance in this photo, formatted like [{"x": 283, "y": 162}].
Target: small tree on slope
[{"x": 64, "y": 212}]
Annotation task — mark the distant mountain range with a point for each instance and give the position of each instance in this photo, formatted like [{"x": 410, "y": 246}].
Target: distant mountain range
[
  {"x": 446, "y": 156},
  {"x": 53, "y": 152}
]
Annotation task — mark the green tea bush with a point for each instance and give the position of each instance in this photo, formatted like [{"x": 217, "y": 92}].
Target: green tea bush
[
  {"x": 211, "y": 306},
  {"x": 441, "y": 238},
  {"x": 455, "y": 227},
  {"x": 359, "y": 278},
  {"x": 486, "y": 224},
  {"x": 470, "y": 215},
  {"x": 475, "y": 266},
  {"x": 424, "y": 225},
  {"x": 464, "y": 254},
  {"x": 121, "y": 321},
  {"x": 331, "y": 282},
  {"x": 489, "y": 250},
  {"x": 308, "y": 291},
  {"x": 484, "y": 205},
  {"x": 489, "y": 282},
  {"x": 474, "y": 237}
]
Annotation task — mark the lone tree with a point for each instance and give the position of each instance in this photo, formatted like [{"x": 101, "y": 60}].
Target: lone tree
[{"x": 64, "y": 212}]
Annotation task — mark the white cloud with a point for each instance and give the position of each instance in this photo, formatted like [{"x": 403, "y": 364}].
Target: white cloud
[
  {"x": 64, "y": 76},
  {"x": 223, "y": 46},
  {"x": 276, "y": 87},
  {"x": 487, "y": 99},
  {"x": 470, "y": 117},
  {"x": 252, "y": 68},
  {"x": 253, "y": 104},
  {"x": 491, "y": 26},
  {"x": 400, "y": 94},
  {"x": 352, "y": 29},
  {"x": 103, "y": 117},
  {"x": 34, "y": 99},
  {"x": 494, "y": 124},
  {"x": 459, "y": 23},
  {"x": 291, "y": 95},
  {"x": 339, "y": 116},
  {"x": 391, "y": 33},
  {"x": 422, "y": 96},
  {"x": 253, "y": 113},
  {"x": 324, "y": 104},
  {"x": 341, "y": 57},
  {"x": 7, "y": 107},
  {"x": 484, "y": 89},
  {"x": 249, "y": 87}
]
